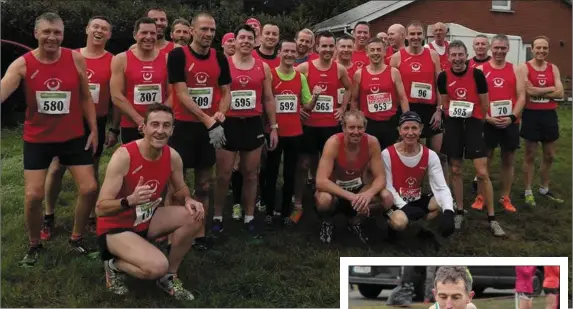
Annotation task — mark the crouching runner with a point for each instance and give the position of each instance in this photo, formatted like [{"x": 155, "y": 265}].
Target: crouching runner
[
  {"x": 129, "y": 216},
  {"x": 406, "y": 165},
  {"x": 350, "y": 178}
]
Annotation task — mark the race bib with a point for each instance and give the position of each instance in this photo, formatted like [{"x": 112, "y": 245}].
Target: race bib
[
  {"x": 539, "y": 100},
  {"x": 147, "y": 94},
  {"x": 340, "y": 92},
  {"x": 94, "y": 91},
  {"x": 500, "y": 108},
  {"x": 410, "y": 194},
  {"x": 350, "y": 185},
  {"x": 324, "y": 104},
  {"x": 144, "y": 212},
  {"x": 53, "y": 102},
  {"x": 202, "y": 96},
  {"x": 379, "y": 102},
  {"x": 286, "y": 103},
  {"x": 461, "y": 109},
  {"x": 421, "y": 91},
  {"x": 243, "y": 99}
]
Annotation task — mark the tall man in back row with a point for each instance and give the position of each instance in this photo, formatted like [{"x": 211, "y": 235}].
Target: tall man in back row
[
  {"x": 58, "y": 99},
  {"x": 128, "y": 212}
]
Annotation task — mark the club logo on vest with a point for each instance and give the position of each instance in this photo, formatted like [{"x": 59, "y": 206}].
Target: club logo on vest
[
  {"x": 147, "y": 76},
  {"x": 359, "y": 64},
  {"x": 244, "y": 80},
  {"x": 350, "y": 172},
  {"x": 53, "y": 84},
  {"x": 374, "y": 89},
  {"x": 411, "y": 181},
  {"x": 201, "y": 77},
  {"x": 153, "y": 185},
  {"x": 542, "y": 82},
  {"x": 498, "y": 82},
  {"x": 461, "y": 93},
  {"x": 416, "y": 66},
  {"x": 323, "y": 87},
  {"x": 89, "y": 74}
]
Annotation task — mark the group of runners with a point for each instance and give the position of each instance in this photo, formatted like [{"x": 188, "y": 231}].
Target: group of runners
[{"x": 346, "y": 112}]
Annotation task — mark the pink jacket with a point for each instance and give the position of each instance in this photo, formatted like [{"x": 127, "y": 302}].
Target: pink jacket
[{"x": 524, "y": 279}]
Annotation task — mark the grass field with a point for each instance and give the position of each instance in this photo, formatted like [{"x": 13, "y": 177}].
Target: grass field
[
  {"x": 499, "y": 303},
  {"x": 289, "y": 268}
]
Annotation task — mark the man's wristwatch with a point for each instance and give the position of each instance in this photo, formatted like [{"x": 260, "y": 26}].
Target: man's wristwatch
[
  {"x": 114, "y": 131},
  {"x": 124, "y": 203},
  {"x": 275, "y": 126}
]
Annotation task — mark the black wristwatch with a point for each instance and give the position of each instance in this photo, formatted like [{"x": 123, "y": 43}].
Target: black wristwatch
[
  {"x": 114, "y": 131},
  {"x": 124, "y": 203}
]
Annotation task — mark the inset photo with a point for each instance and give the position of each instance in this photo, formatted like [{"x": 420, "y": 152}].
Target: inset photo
[{"x": 454, "y": 283}]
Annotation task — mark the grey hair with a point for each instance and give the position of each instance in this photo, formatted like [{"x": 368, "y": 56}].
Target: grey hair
[
  {"x": 453, "y": 274},
  {"x": 500, "y": 37},
  {"x": 49, "y": 17},
  {"x": 353, "y": 112},
  {"x": 458, "y": 44}
]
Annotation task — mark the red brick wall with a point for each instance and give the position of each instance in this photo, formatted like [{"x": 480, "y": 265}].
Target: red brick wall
[{"x": 552, "y": 18}]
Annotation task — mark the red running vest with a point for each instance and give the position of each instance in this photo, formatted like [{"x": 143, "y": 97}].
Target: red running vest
[
  {"x": 540, "y": 79},
  {"x": 145, "y": 84},
  {"x": 360, "y": 59},
  {"x": 463, "y": 99},
  {"x": 202, "y": 78},
  {"x": 54, "y": 113},
  {"x": 155, "y": 174},
  {"x": 167, "y": 48},
  {"x": 419, "y": 76},
  {"x": 408, "y": 181},
  {"x": 378, "y": 100},
  {"x": 348, "y": 174},
  {"x": 323, "y": 113},
  {"x": 501, "y": 89},
  {"x": 246, "y": 90},
  {"x": 288, "y": 101},
  {"x": 99, "y": 74},
  {"x": 273, "y": 63},
  {"x": 444, "y": 62}
]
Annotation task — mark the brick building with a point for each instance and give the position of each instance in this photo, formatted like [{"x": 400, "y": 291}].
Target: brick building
[{"x": 527, "y": 19}]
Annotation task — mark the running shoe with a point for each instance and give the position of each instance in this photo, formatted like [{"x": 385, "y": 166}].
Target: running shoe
[
  {"x": 496, "y": 229},
  {"x": 237, "y": 212},
  {"x": 326, "y": 231},
  {"x": 478, "y": 203},
  {"x": 357, "y": 230},
  {"x": 507, "y": 205},
  {"x": 552, "y": 197},
  {"x": 31, "y": 256},
  {"x": 296, "y": 215},
  {"x": 173, "y": 286},
  {"x": 114, "y": 280},
  {"x": 217, "y": 226},
  {"x": 530, "y": 200}
]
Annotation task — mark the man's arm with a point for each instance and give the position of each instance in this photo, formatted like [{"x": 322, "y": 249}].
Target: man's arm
[
  {"x": 376, "y": 167},
  {"x": 308, "y": 99},
  {"x": 117, "y": 88},
  {"x": 398, "y": 200},
  {"x": 529, "y": 89},
  {"x": 558, "y": 93},
  {"x": 399, "y": 86},
  {"x": 303, "y": 68},
  {"x": 343, "y": 76},
  {"x": 355, "y": 93},
  {"x": 437, "y": 69},
  {"x": 224, "y": 83},
  {"x": 442, "y": 90},
  {"x": 107, "y": 204},
  {"x": 325, "y": 167},
  {"x": 481, "y": 85},
  {"x": 438, "y": 183},
  {"x": 520, "y": 93},
  {"x": 269, "y": 98},
  {"x": 12, "y": 78},
  {"x": 86, "y": 101},
  {"x": 395, "y": 60},
  {"x": 169, "y": 99},
  {"x": 181, "y": 191}
]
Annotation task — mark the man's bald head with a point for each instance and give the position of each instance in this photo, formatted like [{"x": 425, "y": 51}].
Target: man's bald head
[{"x": 396, "y": 36}]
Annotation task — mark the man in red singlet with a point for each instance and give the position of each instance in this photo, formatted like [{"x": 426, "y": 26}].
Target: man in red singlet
[
  {"x": 539, "y": 120},
  {"x": 58, "y": 97},
  {"x": 256, "y": 25},
  {"x": 138, "y": 79},
  {"x": 406, "y": 165},
  {"x": 344, "y": 46},
  {"x": 350, "y": 178},
  {"x": 130, "y": 215},
  {"x": 481, "y": 49},
  {"x": 304, "y": 46},
  {"x": 440, "y": 45},
  {"x": 506, "y": 100},
  {"x": 377, "y": 90},
  {"x": 181, "y": 32},
  {"x": 160, "y": 17},
  {"x": 324, "y": 120},
  {"x": 419, "y": 68},
  {"x": 361, "y": 35},
  {"x": 98, "y": 62},
  {"x": 464, "y": 98},
  {"x": 228, "y": 44},
  {"x": 267, "y": 51},
  {"x": 551, "y": 286},
  {"x": 251, "y": 94},
  {"x": 201, "y": 81},
  {"x": 292, "y": 97},
  {"x": 396, "y": 41}
]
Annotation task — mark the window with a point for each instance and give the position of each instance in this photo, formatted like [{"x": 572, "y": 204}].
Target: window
[
  {"x": 528, "y": 52},
  {"x": 502, "y": 5}
]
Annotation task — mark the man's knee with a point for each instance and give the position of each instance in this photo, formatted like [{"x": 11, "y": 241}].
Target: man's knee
[
  {"x": 154, "y": 268},
  {"x": 202, "y": 189},
  {"x": 398, "y": 220},
  {"x": 323, "y": 201},
  {"x": 386, "y": 199},
  {"x": 34, "y": 192},
  {"x": 548, "y": 157},
  {"x": 456, "y": 168},
  {"x": 87, "y": 186}
]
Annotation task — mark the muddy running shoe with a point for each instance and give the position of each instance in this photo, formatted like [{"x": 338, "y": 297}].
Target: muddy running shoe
[
  {"x": 551, "y": 197},
  {"x": 496, "y": 229},
  {"x": 357, "y": 230},
  {"x": 200, "y": 244},
  {"x": 31, "y": 256},
  {"x": 237, "y": 212},
  {"x": 458, "y": 220},
  {"x": 174, "y": 287},
  {"x": 326, "y": 231},
  {"x": 530, "y": 200},
  {"x": 114, "y": 280},
  {"x": 46, "y": 232},
  {"x": 79, "y": 246},
  {"x": 296, "y": 215}
]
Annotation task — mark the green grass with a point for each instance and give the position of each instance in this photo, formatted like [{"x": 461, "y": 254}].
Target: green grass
[
  {"x": 289, "y": 269},
  {"x": 498, "y": 303}
]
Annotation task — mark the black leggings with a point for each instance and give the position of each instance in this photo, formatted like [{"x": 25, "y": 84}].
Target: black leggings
[{"x": 290, "y": 145}]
